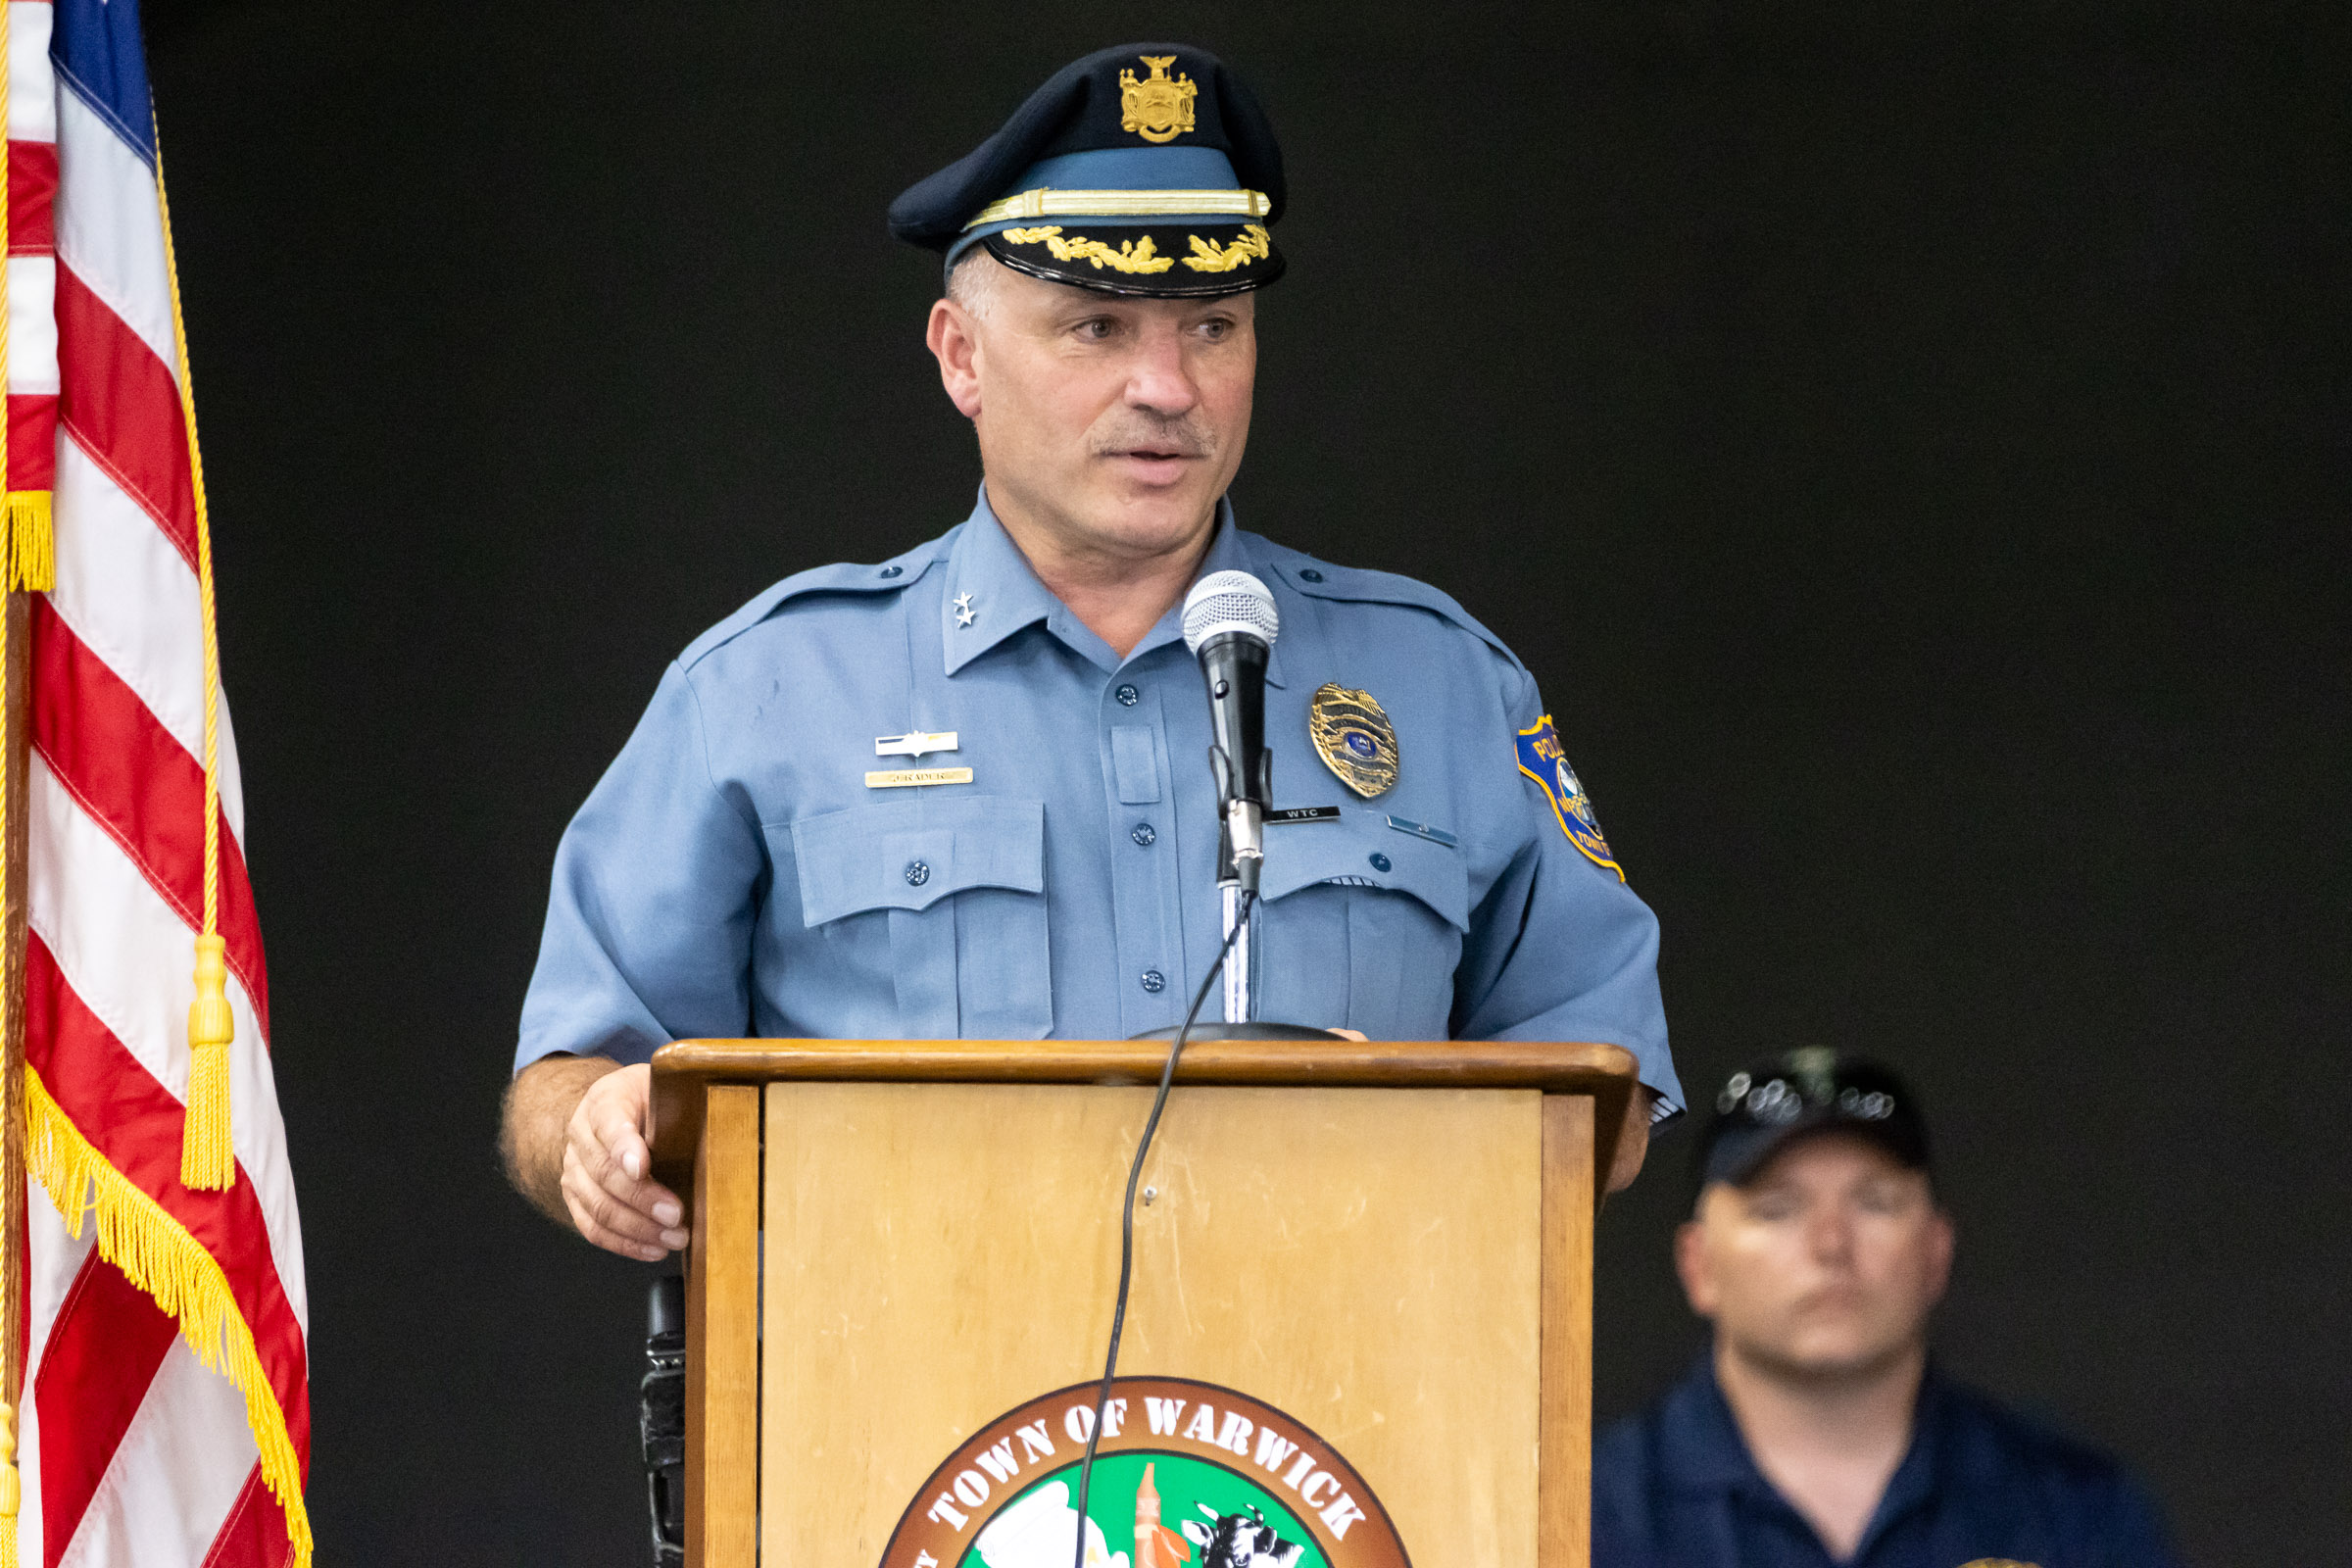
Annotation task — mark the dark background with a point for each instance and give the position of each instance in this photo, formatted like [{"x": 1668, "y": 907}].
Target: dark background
[{"x": 1908, "y": 441}]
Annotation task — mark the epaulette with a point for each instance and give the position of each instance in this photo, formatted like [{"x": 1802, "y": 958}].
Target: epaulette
[
  {"x": 842, "y": 577},
  {"x": 1320, "y": 579}
]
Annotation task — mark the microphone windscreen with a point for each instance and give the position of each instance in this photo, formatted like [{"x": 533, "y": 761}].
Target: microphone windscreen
[{"x": 1229, "y": 602}]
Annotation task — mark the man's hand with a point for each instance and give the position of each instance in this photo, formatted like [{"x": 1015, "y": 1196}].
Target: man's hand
[
  {"x": 1633, "y": 1139},
  {"x": 574, "y": 1139}
]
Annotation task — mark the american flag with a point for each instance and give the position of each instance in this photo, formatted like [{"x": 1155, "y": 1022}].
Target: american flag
[{"x": 165, "y": 1415}]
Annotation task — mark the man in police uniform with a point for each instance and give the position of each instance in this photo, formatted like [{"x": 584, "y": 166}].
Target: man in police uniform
[
  {"x": 962, "y": 792},
  {"x": 1817, "y": 1431}
]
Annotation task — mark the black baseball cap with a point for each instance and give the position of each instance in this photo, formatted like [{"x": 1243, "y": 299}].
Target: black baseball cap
[{"x": 1765, "y": 1106}]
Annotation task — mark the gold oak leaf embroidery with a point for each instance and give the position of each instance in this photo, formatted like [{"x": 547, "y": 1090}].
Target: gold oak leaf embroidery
[
  {"x": 1210, "y": 257},
  {"x": 1130, "y": 257}
]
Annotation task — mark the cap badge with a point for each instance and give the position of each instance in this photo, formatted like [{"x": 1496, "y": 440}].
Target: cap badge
[
  {"x": 1542, "y": 760},
  {"x": 1817, "y": 1068},
  {"x": 1155, "y": 108},
  {"x": 1354, "y": 738}
]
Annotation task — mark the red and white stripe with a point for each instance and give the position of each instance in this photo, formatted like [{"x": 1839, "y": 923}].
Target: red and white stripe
[
  {"x": 32, "y": 249},
  {"x": 132, "y": 1453}
]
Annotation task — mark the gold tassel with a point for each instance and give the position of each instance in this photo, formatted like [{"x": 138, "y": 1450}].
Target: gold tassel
[
  {"x": 11, "y": 1487},
  {"x": 205, "y": 1160},
  {"x": 31, "y": 544}
]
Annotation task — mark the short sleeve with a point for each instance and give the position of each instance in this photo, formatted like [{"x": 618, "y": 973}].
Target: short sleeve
[
  {"x": 657, "y": 884},
  {"x": 1561, "y": 947}
]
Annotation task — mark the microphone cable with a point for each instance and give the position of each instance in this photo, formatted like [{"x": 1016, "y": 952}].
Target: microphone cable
[{"x": 1135, "y": 1173}]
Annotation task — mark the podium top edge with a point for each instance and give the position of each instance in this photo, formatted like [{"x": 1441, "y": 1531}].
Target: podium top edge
[
  {"x": 1554, "y": 1066},
  {"x": 684, "y": 1070}
]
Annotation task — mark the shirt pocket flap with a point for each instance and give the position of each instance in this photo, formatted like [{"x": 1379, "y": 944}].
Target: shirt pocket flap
[
  {"x": 1353, "y": 851},
  {"x": 908, "y": 855}
]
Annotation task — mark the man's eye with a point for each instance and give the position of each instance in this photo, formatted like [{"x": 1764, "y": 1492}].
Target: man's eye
[
  {"x": 1096, "y": 328},
  {"x": 1216, "y": 331}
]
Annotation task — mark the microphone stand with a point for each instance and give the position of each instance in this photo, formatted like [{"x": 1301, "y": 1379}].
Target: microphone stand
[
  {"x": 1238, "y": 910},
  {"x": 1241, "y": 856}
]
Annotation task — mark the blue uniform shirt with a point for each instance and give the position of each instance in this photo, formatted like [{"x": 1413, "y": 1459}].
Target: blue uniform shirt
[
  {"x": 734, "y": 873},
  {"x": 1675, "y": 1487}
]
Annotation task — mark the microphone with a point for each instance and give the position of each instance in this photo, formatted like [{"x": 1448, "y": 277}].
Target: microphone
[{"x": 1230, "y": 624}]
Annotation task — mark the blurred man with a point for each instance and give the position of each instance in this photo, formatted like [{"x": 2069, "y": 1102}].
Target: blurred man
[{"x": 1816, "y": 1432}]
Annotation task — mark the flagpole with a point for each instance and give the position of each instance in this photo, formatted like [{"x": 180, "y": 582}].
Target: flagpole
[
  {"x": 16, "y": 637},
  {"x": 16, "y": 627}
]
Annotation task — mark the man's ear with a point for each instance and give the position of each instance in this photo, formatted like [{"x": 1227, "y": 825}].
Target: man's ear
[
  {"x": 1690, "y": 1262},
  {"x": 954, "y": 341},
  {"x": 1942, "y": 1241}
]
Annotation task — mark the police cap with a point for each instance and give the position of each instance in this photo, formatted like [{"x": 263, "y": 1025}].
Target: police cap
[{"x": 1145, "y": 170}]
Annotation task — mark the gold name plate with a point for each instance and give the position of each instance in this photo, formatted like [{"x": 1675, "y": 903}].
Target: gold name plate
[{"x": 900, "y": 778}]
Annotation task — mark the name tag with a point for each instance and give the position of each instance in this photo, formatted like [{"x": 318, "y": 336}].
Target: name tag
[
  {"x": 1304, "y": 813},
  {"x": 914, "y": 777}
]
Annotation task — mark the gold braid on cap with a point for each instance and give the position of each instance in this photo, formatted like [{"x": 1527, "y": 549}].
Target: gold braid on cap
[{"x": 1045, "y": 202}]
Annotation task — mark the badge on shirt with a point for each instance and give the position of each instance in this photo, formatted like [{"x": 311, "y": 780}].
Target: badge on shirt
[
  {"x": 916, "y": 743},
  {"x": 1542, "y": 760},
  {"x": 1354, "y": 738}
]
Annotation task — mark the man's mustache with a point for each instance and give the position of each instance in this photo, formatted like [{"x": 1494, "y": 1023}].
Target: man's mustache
[{"x": 1179, "y": 437}]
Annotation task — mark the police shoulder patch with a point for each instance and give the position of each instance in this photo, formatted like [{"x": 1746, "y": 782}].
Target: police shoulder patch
[{"x": 1542, "y": 759}]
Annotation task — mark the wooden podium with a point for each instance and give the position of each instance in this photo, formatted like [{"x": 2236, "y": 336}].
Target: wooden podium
[{"x": 1372, "y": 1261}]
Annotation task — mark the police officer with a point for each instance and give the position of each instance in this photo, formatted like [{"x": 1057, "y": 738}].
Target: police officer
[
  {"x": 1816, "y": 1430},
  {"x": 962, "y": 791}
]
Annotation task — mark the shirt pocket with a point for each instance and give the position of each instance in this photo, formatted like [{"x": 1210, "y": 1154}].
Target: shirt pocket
[
  {"x": 1362, "y": 926},
  {"x": 959, "y": 884}
]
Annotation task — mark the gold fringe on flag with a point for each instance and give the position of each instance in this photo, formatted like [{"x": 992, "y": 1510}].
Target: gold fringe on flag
[
  {"x": 157, "y": 1254},
  {"x": 11, "y": 1486}
]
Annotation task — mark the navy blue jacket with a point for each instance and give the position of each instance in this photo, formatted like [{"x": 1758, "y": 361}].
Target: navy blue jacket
[{"x": 1675, "y": 1487}]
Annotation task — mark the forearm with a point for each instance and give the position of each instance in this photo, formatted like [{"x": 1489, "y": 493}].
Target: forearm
[{"x": 539, "y": 1106}]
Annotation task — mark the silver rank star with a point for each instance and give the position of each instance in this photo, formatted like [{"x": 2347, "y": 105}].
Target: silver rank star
[{"x": 964, "y": 609}]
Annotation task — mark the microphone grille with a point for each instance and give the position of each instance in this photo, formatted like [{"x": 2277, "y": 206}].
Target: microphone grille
[{"x": 1227, "y": 602}]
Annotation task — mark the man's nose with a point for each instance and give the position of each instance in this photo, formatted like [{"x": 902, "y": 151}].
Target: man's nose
[
  {"x": 1157, "y": 377},
  {"x": 1831, "y": 1235}
]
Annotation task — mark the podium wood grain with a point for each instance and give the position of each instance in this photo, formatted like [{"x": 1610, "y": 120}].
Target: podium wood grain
[
  {"x": 1571, "y": 1181},
  {"x": 722, "y": 1314},
  {"x": 1307, "y": 1248}
]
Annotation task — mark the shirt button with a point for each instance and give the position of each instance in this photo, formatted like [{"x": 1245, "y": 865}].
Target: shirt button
[
  {"x": 1310, "y": 575},
  {"x": 1142, "y": 835},
  {"x": 1128, "y": 695},
  {"x": 892, "y": 571},
  {"x": 1154, "y": 981},
  {"x": 1380, "y": 862},
  {"x": 918, "y": 873}
]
